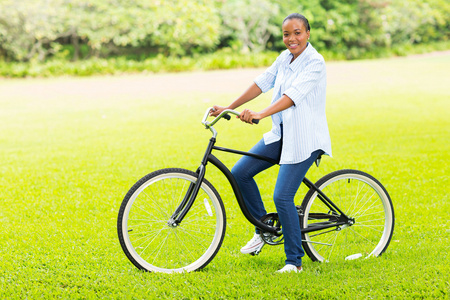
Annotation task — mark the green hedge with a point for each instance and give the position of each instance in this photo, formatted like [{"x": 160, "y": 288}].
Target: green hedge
[{"x": 223, "y": 59}]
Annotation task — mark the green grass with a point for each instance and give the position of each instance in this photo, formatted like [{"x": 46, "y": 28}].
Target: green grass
[{"x": 68, "y": 155}]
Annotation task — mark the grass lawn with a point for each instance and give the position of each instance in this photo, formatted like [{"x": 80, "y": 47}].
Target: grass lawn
[{"x": 71, "y": 148}]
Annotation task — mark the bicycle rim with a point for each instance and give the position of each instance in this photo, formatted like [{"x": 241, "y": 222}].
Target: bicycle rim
[
  {"x": 359, "y": 196},
  {"x": 147, "y": 239}
]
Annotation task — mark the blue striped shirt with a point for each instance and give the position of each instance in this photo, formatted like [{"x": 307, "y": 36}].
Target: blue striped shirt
[{"x": 305, "y": 127}]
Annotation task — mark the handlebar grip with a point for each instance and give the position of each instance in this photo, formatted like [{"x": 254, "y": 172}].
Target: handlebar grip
[{"x": 228, "y": 117}]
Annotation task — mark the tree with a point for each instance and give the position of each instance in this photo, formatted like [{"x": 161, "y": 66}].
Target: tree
[{"x": 251, "y": 22}]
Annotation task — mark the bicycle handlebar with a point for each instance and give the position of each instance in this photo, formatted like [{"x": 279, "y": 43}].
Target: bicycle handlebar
[{"x": 223, "y": 114}]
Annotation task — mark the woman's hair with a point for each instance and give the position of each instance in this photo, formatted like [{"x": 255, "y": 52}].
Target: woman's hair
[{"x": 299, "y": 17}]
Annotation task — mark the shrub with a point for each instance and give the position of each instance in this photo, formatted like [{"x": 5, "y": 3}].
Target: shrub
[{"x": 37, "y": 30}]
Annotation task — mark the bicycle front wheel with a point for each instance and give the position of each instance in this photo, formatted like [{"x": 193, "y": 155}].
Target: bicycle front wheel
[
  {"x": 360, "y": 197},
  {"x": 145, "y": 235}
]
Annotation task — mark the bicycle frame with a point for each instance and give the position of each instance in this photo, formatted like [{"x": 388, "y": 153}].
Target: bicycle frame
[{"x": 191, "y": 194}]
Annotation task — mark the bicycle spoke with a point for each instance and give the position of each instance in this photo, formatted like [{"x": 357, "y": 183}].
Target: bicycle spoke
[
  {"x": 149, "y": 237},
  {"x": 369, "y": 214},
  {"x": 355, "y": 198},
  {"x": 158, "y": 206},
  {"x": 159, "y": 250},
  {"x": 137, "y": 206},
  {"x": 332, "y": 247},
  {"x": 354, "y": 232},
  {"x": 198, "y": 239},
  {"x": 146, "y": 233},
  {"x": 196, "y": 231},
  {"x": 371, "y": 227},
  {"x": 359, "y": 200},
  {"x": 182, "y": 242},
  {"x": 146, "y": 222},
  {"x": 359, "y": 214},
  {"x": 373, "y": 220},
  {"x": 194, "y": 214},
  {"x": 322, "y": 233}
]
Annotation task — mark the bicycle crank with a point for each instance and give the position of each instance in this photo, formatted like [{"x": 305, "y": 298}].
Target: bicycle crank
[{"x": 271, "y": 219}]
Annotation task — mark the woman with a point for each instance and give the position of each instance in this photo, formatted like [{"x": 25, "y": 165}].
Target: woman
[{"x": 298, "y": 137}]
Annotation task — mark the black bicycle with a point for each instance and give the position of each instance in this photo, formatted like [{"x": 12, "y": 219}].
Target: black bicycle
[{"x": 173, "y": 220}]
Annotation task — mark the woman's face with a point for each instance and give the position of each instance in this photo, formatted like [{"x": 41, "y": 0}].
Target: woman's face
[{"x": 295, "y": 36}]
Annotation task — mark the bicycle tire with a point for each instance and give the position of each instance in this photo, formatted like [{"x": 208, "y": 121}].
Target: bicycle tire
[
  {"x": 147, "y": 239},
  {"x": 359, "y": 196}
]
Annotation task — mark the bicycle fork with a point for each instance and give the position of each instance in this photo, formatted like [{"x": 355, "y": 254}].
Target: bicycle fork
[
  {"x": 192, "y": 191},
  {"x": 188, "y": 199}
]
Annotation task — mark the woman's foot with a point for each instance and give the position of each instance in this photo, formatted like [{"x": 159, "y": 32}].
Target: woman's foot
[
  {"x": 290, "y": 268},
  {"x": 254, "y": 246}
]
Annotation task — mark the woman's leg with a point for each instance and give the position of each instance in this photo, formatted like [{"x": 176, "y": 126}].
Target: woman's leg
[
  {"x": 289, "y": 179},
  {"x": 247, "y": 167}
]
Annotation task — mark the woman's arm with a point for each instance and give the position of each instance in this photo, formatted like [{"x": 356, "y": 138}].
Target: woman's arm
[
  {"x": 281, "y": 104},
  {"x": 251, "y": 93}
]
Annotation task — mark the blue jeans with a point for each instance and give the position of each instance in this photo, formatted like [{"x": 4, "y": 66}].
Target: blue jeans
[{"x": 290, "y": 176}]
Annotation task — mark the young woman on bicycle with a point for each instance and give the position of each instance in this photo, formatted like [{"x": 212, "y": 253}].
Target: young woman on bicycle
[{"x": 298, "y": 137}]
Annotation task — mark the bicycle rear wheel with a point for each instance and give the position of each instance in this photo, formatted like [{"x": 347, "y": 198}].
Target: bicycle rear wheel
[
  {"x": 361, "y": 197},
  {"x": 147, "y": 239}
]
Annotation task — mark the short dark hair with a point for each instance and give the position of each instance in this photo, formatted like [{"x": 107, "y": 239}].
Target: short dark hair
[{"x": 299, "y": 17}]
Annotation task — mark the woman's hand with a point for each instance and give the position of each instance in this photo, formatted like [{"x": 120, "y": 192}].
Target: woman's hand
[
  {"x": 248, "y": 116},
  {"x": 217, "y": 110}
]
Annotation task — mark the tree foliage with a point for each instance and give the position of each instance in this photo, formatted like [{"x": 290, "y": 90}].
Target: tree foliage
[
  {"x": 38, "y": 29},
  {"x": 250, "y": 22}
]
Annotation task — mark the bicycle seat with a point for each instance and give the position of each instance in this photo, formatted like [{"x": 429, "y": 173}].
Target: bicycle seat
[{"x": 318, "y": 160}]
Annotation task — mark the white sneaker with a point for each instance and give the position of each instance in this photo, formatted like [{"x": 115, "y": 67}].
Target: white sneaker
[
  {"x": 290, "y": 268},
  {"x": 254, "y": 246}
]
